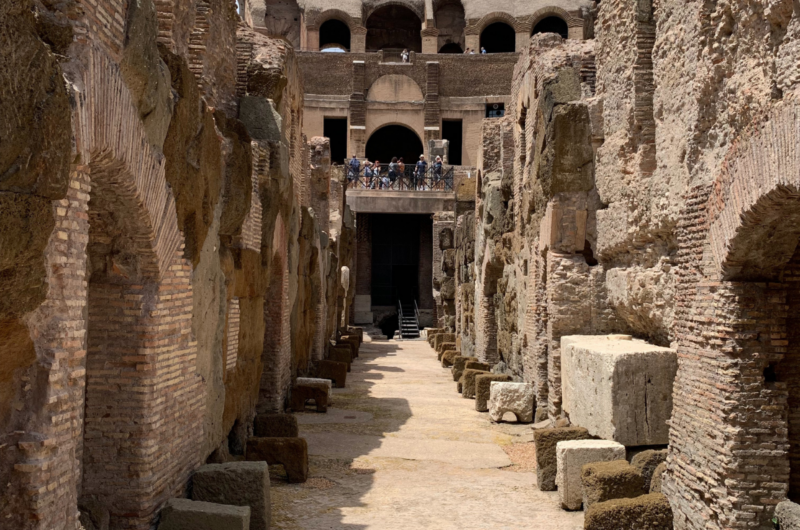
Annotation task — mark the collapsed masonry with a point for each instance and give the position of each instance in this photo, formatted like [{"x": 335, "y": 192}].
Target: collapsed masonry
[
  {"x": 171, "y": 250},
  {"x": 628, "y": 191}
]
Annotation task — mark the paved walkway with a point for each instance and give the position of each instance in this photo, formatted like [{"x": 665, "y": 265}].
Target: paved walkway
[{"x": 401, "y": 449}]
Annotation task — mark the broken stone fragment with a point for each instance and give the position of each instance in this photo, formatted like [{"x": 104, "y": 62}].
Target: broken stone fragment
[
  {"x": 646, "y": 512},
  {"x": 237, "y": 484},
  {"x": 571, "y": 456},
  {"x": 185, "y": 514},
  {"x": 544, "y": 441},
  {"x": 516, "y": 398},
  {"x": 604, "y": 481}
]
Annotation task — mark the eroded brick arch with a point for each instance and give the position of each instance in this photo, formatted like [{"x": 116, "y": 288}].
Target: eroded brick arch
[
  {"x": 334, "y": 14},
  {"x": 554, "y": 11},
  {"x": 491, "y": 18},
  {"x": 414, "y": 7}
]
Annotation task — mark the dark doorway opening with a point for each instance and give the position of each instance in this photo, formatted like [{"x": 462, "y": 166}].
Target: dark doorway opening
[
  {"x": 336, "y": 130},
  {"x": 452, "y": 131},
  {"x": 395, "y": 258},
  {"x": 391, "y": 141},
  {"x": 551, "y": 25},
  {"x": 334, "y": 32},
  {"x": 394, "y": 26},
  {"x": 451, "y": 47},
  {"x": 499, "y": 38}
]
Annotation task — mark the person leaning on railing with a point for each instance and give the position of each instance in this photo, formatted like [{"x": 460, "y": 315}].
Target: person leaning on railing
[
  {"x": 354, "y": 167},
  {"x": 437, "y": 170},
  {"x": 419, "y": 172}
]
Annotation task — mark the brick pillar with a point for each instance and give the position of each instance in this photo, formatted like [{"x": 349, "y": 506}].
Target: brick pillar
[
  {"x": 358, "y": 39},
  {"x": 430, "y": 40},
  {"x": 358, "y": 112},
  {"x": 433, "y": 113}
]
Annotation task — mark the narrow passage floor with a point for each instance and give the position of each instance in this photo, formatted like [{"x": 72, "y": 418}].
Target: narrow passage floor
[{"x": 400, "y": 449}]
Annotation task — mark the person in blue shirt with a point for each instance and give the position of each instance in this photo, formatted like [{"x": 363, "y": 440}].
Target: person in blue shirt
[
  {"x": 355, "y": 167},
  {"x": 419, "y": 171}
]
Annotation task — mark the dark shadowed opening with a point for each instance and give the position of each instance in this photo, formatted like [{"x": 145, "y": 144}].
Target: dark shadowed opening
[
  {"x": 551, "y": 25},
  {"x": 334, "y": 32},
  {"x": 391, "y": 141},
  {"x": 499, "y": 38},
  {"x": 452, "y": 131},
  {"x": 394, "y": 26},
  {"x": 336, "y": 130},
  {"x": 451, "y": 48}
]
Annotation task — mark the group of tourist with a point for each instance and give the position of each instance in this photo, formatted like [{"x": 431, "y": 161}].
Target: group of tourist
[
  {"x": 405, "y": 55},
  {"x": 377, "y": 176},
  {"x": 470, "y": 51}
]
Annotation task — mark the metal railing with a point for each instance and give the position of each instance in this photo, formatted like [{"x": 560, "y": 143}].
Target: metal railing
[
  {"x": 394, "y": 55},
  {"x": 434, "y": 179}
]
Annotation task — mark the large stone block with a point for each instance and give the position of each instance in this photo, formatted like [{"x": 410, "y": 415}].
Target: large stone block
[
  {"x": 275, "y": 426},
  {"x": 184, "y": 514},
  {"x": 341, "y": 355},
  {"x": 544, "y": 442},
  {"x": 619, "y": 389},
  {"x": 647, "y": 462},
  {"x": 571, "y": 456},
  {"x": 604, "y": 481},
  {"x": 445, "y": 347},
  {"x": 236, "y": 483},
  {"x": 658, "y": 478},
  {"x": 334, "y": 370},
  {"x": 442, "y": 338},
  {"x": 291, "y": 453},
  {"x": 788, "y": 515},
  {"x": 316, "y": 392},
  {"x": 516, "y": 398},
  {"x": 468, "y": 382},
  {"x": 317, "y": 381},
  {"x": 459, "y": 363},
  {"x": 646, "y": 512},
  {"x": 483, "y": 383}
]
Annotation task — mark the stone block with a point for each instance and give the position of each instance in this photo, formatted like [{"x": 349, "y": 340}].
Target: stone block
[
  {"x": 275, "y": 426},
  {"x": 646, "y": 512},
  {"x": 341, "y": 355},
  {"x": 476, "y": 365},
  {"x": 291, "y": 453},
  {"x": 448, "y": 356},
  {"x": 658, "y": 478},
  {"x": 517, "y": 398},
  {"x": 447, "y": 346},
  {"x": 544, "y": 442},
  {"x": 571, "y": 456},
  {"x": 619, "y": 389},
  {"x": 185, "y": 514},
  {"x": 317, "y": 381},
  {"x": 788, "y": 515},
  {"x": 238, "y": 484},
  {"x": 647, "y": 462},
  {"x": 459, "y": 363},
  {"x": 316, "y": 392},
  {"x": 334, "y": 370},
  {"x": 442, "y": 338},
  {"x": 468, "y": 382},
  {"x": 357, "y": 331},
  {"x": 604, "y": 481},
  {"x": 352, "y": 341},
  {"x": 483, "y": 384}
]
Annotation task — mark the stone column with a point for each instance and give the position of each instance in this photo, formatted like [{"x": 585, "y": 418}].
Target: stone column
[
  {"x": 433, "y": 113},
  {"x": 430, "y": 40},
  {"x": 358, "y": 112},
  {"x": 358, "y": 39}
]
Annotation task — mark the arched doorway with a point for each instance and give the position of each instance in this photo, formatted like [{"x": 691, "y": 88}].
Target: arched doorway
[
  {"x": 451, "y": 47},
  {"x": 394, "y": 140},
  {"x": 450, "y": 21},
  {"x": 551, "y": 25},
  {"x": 394, "y": 26},
  {"x": 333, "y": 33},
  {"x": 499, "y": 37}
]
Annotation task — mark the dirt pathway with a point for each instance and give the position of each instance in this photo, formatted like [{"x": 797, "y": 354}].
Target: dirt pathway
[{"x": 401, "y": 449}]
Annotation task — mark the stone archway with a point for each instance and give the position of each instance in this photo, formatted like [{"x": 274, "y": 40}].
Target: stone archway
[
  {"x": 394, "y": 26},
  {"x": 394, "y": 140}
]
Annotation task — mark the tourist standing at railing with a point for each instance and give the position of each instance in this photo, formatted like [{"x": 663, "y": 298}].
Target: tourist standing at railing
[
  {"x": 368, "y": 170},
  {"x": 419, "y": 172},
  {"x": 375, "y": 181},
  {"x": 437, "y": 171},
  {"x": 394, "y": 167},
  {"x": 354, "y": 167},
  {"x": 404, "y": 56},
  {"x": 401, "y": 171}
]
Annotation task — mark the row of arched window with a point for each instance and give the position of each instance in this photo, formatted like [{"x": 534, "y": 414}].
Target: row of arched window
[{"x": 396, "y": 26}]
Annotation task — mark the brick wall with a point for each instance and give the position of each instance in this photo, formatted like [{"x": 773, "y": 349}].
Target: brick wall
[{"x": 232, "y": 334}]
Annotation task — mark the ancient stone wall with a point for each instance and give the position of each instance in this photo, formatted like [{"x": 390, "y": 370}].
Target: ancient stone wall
[{"x": 156, "y": 191}]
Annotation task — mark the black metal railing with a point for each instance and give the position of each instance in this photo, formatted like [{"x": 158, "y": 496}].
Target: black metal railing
[{"x": 433, "y": 179}]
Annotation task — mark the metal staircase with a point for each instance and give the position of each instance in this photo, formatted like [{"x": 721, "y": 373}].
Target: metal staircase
[{"x": 408, "y": 320}]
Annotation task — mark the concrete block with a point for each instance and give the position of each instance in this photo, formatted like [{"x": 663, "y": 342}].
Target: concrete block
[
  {"x": 646, "y": 512},
  {"x": 788, "y": 515},
  {"x": 238, "y": 484},
  {"x": 571, "y": 456},
  {"x": 318, "y": 381},
  {"x": 276, "y": 426},
  {"x": 185, "y": 514},
  {"x": 647, "y": 462},
  {"x": 544, "y": 442},
  {"x": 291, "y": 453},
  {"x": 618, "y": 389},
  {"x": 511, "y": 397},
  {"x": 604, "y": 481},
  {"x": 483, "y": 384}
]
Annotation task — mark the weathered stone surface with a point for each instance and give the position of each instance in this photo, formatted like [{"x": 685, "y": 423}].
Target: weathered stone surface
[
  {"x": 183, "y": 514},
  {"x": 658, "y": 478},
  {"x": 341, "y": 355},
  {"x": 647, "y": 512},
  {"x": 316, "y": 380},
  {"x": 275, "y": 426},
  {"x": 448, "y": 357},
  {"x": 476, "y": 365},
  {"x": 619, "y": 389},
  {"x": 516, "y": 398},
  {"x": 788, "y": 515},
  {"x": 571, "y": 456},
  {"x": 545, "y": 441},
  {"x": 303, "y": 393},
  {"x": 647, "y": 462},
  {"x": 483, "y": 384},
  {"x": 444, "y": 347},
  {"x": 291, "y": 453},
  {"x": 237, "y": 484},
  {"x": 604, "y": 481},
  {"x": 459, "y": 363},
  {"x": 334, "y": 371},
  {"x": 467, "y": 382}
]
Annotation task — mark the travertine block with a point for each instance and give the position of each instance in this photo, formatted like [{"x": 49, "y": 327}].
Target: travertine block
[
  {"x": 238, "y": 484},
  {"x": 658, "y": 478},
  {"x": 333, "y": 370},
  {"x": 511, "y": 397},
  {"x": 275, "y": 426},
  {"x": 788, "y": 515},
  {"x": 459, "y": 365},
  {"x": 468, "y": 382},
  {"x": 291, "y": 453},
  {"x": 483, "y": 383},
  {"x": 619, "y": 389},
  {"x": 184, "y": 514},
  {"x": 545, "y": 441},
  {"x": 448, "y": 357},
  {"x": 571, "y": 456},
  {"x": 315, "y": 380},
  {"x": 646, "y": 512},
  {"x": 604, "y": 481},
  {"x": 445, "y": 346},
  {"x": 647, "y": 462}
]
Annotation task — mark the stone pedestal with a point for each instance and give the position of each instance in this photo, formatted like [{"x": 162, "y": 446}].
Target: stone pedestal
[
  {"x": 618, "y": 388},
  {"x": 571, "y": 456},
  {"x": 238, "y": 484},
  {"x": 183, "y": 514}
]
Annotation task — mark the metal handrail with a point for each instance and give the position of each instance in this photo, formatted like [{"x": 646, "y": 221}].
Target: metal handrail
[
  {"x": 400, "y": 318},
  {"x": 416, "y": 311},
  {"x": 434, "y": 179}
]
